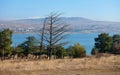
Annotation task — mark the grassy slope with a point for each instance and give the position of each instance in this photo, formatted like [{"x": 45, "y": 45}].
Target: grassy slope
[{"x": 84, "y": 66}]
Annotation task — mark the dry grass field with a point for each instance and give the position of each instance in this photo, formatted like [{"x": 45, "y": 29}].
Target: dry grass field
[{"x": 84, "y": 66}]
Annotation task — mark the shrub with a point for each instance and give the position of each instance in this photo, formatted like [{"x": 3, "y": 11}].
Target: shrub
[
  {"x": 77, "y": 51},
  {"x": 94, "y": 51},
  {"x": 60, "y": 52}
]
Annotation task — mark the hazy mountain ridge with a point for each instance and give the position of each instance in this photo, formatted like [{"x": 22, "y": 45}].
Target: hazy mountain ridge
[{"x": 77, "y": 25}]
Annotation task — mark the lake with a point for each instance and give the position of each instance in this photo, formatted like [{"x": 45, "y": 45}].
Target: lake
[{"x": 86, "y": 40}]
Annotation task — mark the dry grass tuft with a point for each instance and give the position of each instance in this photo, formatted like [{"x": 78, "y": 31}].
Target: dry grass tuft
[{"x": 83, "y": 66}]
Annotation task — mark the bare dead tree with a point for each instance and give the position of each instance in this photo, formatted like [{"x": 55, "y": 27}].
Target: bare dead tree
[
  {"x": 42, "y": 35},
  {"x": 53, "y": 32}
]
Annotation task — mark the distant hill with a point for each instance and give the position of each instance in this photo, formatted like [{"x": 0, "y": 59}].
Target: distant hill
[{"x": 76, "y": 24}]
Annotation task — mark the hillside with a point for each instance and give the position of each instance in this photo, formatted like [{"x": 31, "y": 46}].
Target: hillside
[
  {"x": 84, "y": 66},
  {"x": 76, "y": 24}
]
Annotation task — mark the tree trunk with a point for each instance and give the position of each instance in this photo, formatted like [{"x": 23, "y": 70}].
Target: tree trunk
[{"x": 3, "y": 52}]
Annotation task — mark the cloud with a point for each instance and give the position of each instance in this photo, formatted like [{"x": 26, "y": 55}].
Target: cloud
[{"x": 34, "y": 17}]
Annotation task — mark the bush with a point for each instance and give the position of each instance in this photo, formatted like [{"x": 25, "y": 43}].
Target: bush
[
  {"x": 107, "y": 44},
  {"x": 94, "y": 51},
  {"x": 77, "y": 51},
  {"x": 60, "y": 52}
]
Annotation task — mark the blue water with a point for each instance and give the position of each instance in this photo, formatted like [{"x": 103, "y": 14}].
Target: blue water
[{"x": 86, "y": 40}]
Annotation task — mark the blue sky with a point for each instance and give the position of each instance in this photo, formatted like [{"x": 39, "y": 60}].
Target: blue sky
[{"x": 107, "y": 10}]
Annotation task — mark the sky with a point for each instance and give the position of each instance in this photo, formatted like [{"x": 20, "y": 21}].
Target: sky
[{"x": 103, "y": 10}]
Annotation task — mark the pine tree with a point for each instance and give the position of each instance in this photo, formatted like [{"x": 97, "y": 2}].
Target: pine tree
[
  {"x": 103, "y": 43},
  {"x": 5, "y": 42}
]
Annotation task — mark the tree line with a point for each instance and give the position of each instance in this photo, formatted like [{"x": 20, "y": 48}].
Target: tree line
[
  {"x": 105, "y": 43},
  {"x": 31, "y": 46},
  {"x": 51, "y": 41}
]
